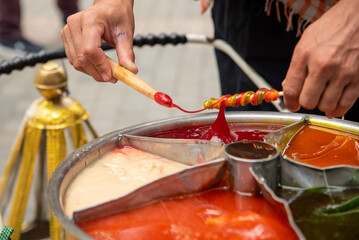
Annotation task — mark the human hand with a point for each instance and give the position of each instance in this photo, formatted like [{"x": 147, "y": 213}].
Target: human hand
[
  {"x": 109, "y": 20},
  {"x": 324, "y": 71}
]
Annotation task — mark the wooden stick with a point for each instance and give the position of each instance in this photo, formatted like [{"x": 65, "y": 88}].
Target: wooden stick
[{"x": 130, "y": 79}]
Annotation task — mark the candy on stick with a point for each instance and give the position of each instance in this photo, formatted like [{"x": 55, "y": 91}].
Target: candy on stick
[
  {"x": 255, "y": 98},
  {"x": 163, "y": 99},
  {"x": 130, "y": 79}
]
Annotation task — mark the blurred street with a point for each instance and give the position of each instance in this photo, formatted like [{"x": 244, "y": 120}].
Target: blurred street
[{"x": 188, "y": 73}]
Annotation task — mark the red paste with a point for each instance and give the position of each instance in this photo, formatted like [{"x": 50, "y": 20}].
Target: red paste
[
  {"x": 239, "y": 131},
  {"x": 219, "y": 130},
  {"x": 322, "y": 147},
  {"x": 165, "y": 100},
  {"x": 215, "y": 214}
]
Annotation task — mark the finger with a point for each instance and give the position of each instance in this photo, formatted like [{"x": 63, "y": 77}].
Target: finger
[
  {"x": 293, "y": 82},
  {"x": 93, "y": 72},
  {"x": 83, "y": 56},
  {"x": 312, "y": 90},
  {"x": 347, "y": 100},
  {"x": 69, "y": 48},
  {"x": 92, "y": 53},
  {"x": 124, "y": 50},
  {"x": 319, "y": 75},
  {"x": 79, "y": 61},
  {"x": 113, "y": 80},
  {"x": 75, "y": 28},
  {"x": 331, "y": 96},
  {"x": 69, "y": 52}
]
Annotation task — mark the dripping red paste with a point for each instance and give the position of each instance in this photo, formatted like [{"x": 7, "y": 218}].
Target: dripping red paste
[{"x": 221, "y": 131}]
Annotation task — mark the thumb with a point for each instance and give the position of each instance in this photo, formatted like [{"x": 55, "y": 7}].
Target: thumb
[{"x": 124, "y": 50}]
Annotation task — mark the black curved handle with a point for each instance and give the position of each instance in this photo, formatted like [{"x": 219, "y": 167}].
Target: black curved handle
[
  {"x": 161, "y": 39},
  {"x": 31, "y": 59}
]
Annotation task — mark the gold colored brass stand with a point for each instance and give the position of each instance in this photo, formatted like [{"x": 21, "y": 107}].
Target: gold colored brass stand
[{"x": 53, "y": 127}]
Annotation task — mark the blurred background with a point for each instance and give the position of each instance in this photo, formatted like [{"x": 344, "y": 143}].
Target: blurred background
[{"x": 188, "y": 73}]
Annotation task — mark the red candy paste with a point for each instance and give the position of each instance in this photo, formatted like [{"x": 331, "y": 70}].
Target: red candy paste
[
  {"x": 165, "y": 100},
  {"x": 219, "y": 131}
]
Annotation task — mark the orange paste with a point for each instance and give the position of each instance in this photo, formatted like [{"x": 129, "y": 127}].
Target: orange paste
[
  {"x": 215, "y": 214},
  {"x": 323, "y": 147}
]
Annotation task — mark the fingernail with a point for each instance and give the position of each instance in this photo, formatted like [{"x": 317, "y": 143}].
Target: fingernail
[
  {"x": 329, "y": 116},
  {"x": 129, "y": 64},
  {"x": 113, "y": 80},
  {"x": 294, "y": 109},
  {"x": 134, "y": 67},
  {"x": 105, "y": 77}
]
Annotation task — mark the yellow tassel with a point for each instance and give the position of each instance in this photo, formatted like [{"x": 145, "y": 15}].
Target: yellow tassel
[
  {"x": 11, "y": 160},
  {"x": 56, "y": 152},
  {"x": 30, "y": 151},
  {"x": 78, "y": 135}
]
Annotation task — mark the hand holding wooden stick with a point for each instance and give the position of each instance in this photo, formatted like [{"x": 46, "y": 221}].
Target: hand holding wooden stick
[{"x": 130, "y": 79}]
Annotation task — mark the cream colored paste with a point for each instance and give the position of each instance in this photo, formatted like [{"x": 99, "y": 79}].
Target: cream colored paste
[{"x": 116, "y": 174}]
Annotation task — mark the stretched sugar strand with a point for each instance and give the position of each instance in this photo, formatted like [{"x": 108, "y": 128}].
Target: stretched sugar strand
[{"x": 255, "y": 98}]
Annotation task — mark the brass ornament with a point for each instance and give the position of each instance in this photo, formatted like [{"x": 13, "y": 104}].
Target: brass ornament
[{"x": 53, "y": 126}]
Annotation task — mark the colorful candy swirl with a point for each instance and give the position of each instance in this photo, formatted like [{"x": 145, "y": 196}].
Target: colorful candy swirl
[{"x": 255, "y": 98}]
